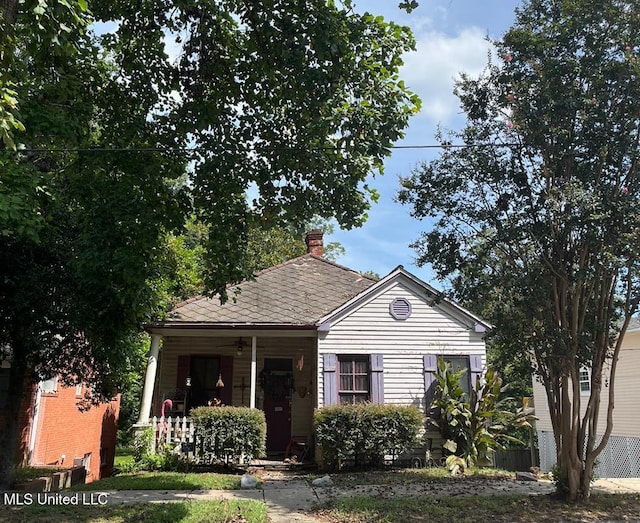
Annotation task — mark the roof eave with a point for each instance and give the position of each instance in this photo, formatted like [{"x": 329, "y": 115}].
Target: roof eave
[{"x": 182, "y": 325}]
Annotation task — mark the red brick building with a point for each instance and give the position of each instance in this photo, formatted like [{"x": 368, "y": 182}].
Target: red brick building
[{"x": 54, "y": 431}]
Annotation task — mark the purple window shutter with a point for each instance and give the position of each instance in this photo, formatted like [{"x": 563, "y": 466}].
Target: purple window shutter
[
  {"x": 377, "y": 378},
  {"x": 226, "y": 371},
  {"x": 430, "y": 365},
  {"x": 330, "y": 379},
  {"x": 475, "y": 362}
]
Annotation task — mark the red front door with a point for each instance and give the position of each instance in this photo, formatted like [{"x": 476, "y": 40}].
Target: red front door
[{"x": 277, "y": 384}]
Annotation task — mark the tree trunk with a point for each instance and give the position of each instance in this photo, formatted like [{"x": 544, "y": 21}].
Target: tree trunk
[
  {"x": 10, "y": 429},
  {"x": 8, "y": 17},
  {"x": 9, "y": 11}
]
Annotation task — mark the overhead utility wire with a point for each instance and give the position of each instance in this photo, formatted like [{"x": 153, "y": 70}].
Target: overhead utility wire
[{"x": 210, "y": 149}]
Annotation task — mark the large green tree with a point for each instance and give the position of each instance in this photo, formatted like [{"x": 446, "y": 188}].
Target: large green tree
[
  {"x": 295, "y": 102},
  {"x": 540, "y": 205}
]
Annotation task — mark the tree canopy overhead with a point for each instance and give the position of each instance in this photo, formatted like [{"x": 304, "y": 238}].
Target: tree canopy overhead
[
  {"x": 107, "y": 144},
  {"x": 537, "y": 215},
  {"x": 299, "y": 102}
]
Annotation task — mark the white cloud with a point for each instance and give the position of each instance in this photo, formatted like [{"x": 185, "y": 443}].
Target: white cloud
[{"x": 437, "y": 63}]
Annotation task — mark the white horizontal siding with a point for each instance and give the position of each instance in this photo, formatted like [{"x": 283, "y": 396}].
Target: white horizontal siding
[
  {"x": 370, "y": 329},
  {"x": 404, "y": 379},
  {"x": 626, "y": 421}
]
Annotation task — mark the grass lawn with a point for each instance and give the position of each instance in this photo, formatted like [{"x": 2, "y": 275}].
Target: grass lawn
[
  {"x": 186, "y": 512},
  {"x": 507, "y": 508},
  {"x": 123, "y": 458},
  {"x": 165, "y": 481}
]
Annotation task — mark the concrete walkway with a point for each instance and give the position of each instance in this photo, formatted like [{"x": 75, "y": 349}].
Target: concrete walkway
[
  {"x": 286, "y": 500},
  {"x": 617, "y": 486}
]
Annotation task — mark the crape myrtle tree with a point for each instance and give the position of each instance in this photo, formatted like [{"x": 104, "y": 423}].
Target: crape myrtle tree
[
  {"x": 538, "y": 210},
  {"x": 296, "y": 101}
]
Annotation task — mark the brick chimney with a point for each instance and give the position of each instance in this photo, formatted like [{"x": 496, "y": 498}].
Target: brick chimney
[{"x": 314, "y": 242}]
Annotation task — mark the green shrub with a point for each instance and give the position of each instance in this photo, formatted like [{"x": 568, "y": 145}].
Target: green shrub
[
  {"x": 221, "y": 432},
  {"x": 143, "y": 445},
  {"x": 147, "y": 457},
  {"x": 365, "y": 433},
  {"x": 166, "y": 460},
  {"x": 474, "y": 427}
]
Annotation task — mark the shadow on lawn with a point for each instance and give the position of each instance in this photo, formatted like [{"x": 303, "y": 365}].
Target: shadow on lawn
[
  {"x": 164, "y": 481},
  {"x": 122, "y": 513}
]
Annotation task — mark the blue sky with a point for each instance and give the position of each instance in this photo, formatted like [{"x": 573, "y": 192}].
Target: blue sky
[{"x": 451, "y": 38}]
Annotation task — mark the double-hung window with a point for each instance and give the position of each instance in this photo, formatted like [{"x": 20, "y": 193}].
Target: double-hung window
[
  {"x": 457, "y": 364},
  {"x": 355, "y": 382},
  {"x": 49, "y": 386},
  {"x": 584, "y": 376},
  {"x": 471, "y": 363},
  {"x": 351, "y": 379}
]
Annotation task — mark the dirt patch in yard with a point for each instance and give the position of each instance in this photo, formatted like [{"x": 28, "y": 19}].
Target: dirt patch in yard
[{"x": 393, "y": 484}]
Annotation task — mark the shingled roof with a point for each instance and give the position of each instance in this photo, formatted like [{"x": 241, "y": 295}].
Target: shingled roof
[{"x": 296, "y": 292}]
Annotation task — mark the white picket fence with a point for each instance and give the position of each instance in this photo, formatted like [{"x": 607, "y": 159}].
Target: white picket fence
[
  {"x": 172, "y": 432},
  {"x": 178, "y": 434}
]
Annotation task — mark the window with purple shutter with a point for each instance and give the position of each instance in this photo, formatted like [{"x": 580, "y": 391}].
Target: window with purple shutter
[
  {"x": 430, "y": 362},
  {"x": 377, "y": 378},
  {"x": 351, "y": 379},
  {"x": 354, "y": 379},
  {"x": 475, "y": 364},
  {"x": 471, "y": 365},
  {"x": 461, "y": 363},
  {"x": 330, "y": 379}
]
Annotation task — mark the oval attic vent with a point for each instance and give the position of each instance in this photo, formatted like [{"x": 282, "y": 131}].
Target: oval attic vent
[{"x": 400, "y": 308}]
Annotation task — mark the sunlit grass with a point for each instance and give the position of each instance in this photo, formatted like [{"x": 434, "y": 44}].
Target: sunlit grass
[{"x": 123, "y": 458}]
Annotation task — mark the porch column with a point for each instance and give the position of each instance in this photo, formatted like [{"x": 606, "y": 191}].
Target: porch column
[
  {"x": 254, "y": 372},
  {"x": 149, "y": 379}
]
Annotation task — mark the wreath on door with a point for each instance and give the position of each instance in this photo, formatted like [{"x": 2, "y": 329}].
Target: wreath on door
[{"x": 277, "y": 386}]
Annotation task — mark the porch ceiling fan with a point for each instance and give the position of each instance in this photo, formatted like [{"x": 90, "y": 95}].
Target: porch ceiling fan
[{"x": 240, "y": 345}]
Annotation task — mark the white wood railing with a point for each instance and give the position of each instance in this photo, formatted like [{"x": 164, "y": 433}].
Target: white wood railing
[{"x": 172, "y": 432}]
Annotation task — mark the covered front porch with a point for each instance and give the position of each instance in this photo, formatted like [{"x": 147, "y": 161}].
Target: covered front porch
[{"x": 272, "y": 370}]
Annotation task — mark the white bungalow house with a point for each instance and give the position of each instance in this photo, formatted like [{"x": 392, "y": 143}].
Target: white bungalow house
[
  {"x": 305, "y": 334},
  {"x": 621, "y": 456}
]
